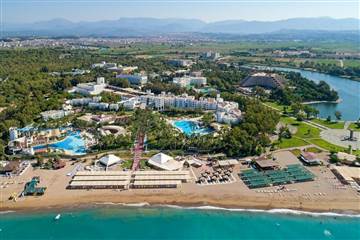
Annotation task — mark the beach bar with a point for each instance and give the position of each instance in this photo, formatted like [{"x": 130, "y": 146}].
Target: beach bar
[{"x": 265, "y": 164}]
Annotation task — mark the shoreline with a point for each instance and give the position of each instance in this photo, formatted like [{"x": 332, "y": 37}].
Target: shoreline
[
  {"x": 196, "y": 207},
  {"x": 201, "y": 202},
  {"x": 315, "y": 102},
  {"x": 305, "y": 196}
]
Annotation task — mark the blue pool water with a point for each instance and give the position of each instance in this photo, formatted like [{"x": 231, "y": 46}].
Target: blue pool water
[
  {"x": 190, "y": 128},
  {"x": 169, "y": 223},
  {"x": 73, "y": 144}
]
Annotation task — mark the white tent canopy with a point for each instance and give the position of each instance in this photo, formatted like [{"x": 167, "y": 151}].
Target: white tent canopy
[
  {"x": 109, "y": 160},
  {"x": 165, "y": 162},
  {"x": 161, "y": 158}
]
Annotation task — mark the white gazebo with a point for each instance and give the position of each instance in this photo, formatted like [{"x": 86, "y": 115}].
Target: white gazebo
[
  {"x": 109, "y": 160},
  {"x": 165, "y": 162}
]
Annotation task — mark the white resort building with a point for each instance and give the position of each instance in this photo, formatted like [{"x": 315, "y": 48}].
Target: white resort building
[
  {"x": 189, "y": 80},
  {"x": 103, "y": 64},
  {"x": 135, "y": 79},
  {"x": 226, "y": 112},
  {"x": 54, "y": 114},
  {"x": 92, "y": 88}
]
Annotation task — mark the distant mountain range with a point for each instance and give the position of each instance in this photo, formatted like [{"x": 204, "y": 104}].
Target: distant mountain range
[{"x": 151, "y": 26}]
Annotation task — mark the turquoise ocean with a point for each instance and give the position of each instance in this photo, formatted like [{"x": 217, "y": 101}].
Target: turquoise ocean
[{"x": 113, "y": 222}]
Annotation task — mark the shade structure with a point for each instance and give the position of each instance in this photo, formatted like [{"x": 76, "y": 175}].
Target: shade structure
[
  {"x": 109, "y": 160},
  {"x": 165, "y": 162}
]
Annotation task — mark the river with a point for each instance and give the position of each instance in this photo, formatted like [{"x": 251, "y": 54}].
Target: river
[{"x": 349, "y": 93}]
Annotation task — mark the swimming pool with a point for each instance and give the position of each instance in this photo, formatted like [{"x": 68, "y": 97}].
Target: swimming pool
[
  {"x": 73, "y": 144},
  {"x": 190, "y": 128}
]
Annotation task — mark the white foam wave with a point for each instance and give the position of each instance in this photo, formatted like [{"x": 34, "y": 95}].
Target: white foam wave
[
  {"x": 140, "y": 204},
  {"x": 272, "y": 211},
  {"x": 327, "y": 233},
  {"x": 6, "y": 212},
  {"x": 214, "y": 208}
]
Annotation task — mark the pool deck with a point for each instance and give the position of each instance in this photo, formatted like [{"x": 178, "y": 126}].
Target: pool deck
[
  {"x": 190, "y": 132},
  {"x": 66, "y": 151}
]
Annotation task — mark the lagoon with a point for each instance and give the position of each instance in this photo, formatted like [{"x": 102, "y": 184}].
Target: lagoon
[{"x": 349, "y": 93}]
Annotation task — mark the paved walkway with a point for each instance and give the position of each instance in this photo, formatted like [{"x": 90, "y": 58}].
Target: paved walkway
[
  {"x": 347, "y": 124},
  {"x": 316, "y": 125},
  {"x": 339, "y": 136}
]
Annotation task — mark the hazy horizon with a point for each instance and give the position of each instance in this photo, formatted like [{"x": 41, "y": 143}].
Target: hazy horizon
[
  {"x": 165, "y": 18},
  {"x": 21, "y": 11}
]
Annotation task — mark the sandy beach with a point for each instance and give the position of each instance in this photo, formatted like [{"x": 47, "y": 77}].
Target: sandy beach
[{"x": 304, "y": 196}]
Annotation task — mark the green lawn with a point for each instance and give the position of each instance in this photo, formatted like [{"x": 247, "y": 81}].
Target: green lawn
[
  {"x": 289, "y": 121},
  {"x": 304, "y": 130},
  {"x": 313, "y": 149},
  {"x": 306, "y": 135},
  {"x": 296, "y": 152},
  {"x": 332, "y": 124},
  {"x": 278, "y": 106},
  {"x": 354, "y": 127},
  {"x": 292, "y": 142},
  {"x": 326, "y": 145}
]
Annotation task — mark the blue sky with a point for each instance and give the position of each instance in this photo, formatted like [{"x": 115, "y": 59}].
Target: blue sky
[{"x": 207, "y": 10}]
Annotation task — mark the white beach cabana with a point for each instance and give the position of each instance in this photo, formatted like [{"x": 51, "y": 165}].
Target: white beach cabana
[
  {"x": 109, "y": 160},
  {"x": 165, "y": 162}
]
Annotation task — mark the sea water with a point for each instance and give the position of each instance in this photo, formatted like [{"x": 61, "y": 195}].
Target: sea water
[{"x": 176, "y": 223}]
